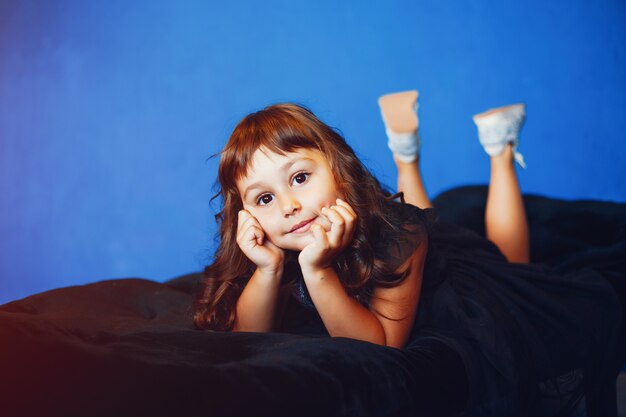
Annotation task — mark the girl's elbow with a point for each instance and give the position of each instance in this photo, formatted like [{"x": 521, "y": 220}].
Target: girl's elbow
[
  {"x": 395, "y": 339},
  {"x": 398, "y": 344},
  {"x": 389, "y": 341}
]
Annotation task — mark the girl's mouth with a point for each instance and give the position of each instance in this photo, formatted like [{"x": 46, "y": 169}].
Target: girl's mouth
[{"x": 302, "y": 226}]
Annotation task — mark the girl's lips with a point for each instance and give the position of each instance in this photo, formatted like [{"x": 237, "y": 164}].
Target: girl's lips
[{"x": 302, "y": 226}]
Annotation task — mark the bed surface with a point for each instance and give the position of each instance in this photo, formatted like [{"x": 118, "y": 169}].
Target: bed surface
[{"x": 127, "y": 346}]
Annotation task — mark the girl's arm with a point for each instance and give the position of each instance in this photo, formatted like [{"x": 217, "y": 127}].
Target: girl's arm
[
  {"x": 344, "y": 316},
  {"x": 256, "y": 307},
  {"x": 396, "y": 307}
]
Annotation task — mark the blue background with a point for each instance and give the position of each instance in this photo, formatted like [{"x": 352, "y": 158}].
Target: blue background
[{"x": 110, "y": 109}]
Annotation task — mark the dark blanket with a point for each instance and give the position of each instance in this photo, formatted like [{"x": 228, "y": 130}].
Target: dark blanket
[{"x": 127, "y": 347}]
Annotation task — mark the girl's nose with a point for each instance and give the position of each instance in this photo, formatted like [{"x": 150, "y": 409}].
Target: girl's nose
[{"x": 290, "y": 205}]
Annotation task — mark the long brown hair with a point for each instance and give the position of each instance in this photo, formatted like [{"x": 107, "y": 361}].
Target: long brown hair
[{"x": 284, "y": 128}]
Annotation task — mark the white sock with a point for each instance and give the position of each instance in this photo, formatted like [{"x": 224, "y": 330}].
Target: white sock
[
  {"x": 405, "y": 146},
  {"x": 499, "y": 128}
]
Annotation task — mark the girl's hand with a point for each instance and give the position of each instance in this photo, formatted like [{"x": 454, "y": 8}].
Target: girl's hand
[
  {"x": 264, "y": 254},
  {"x": 327, "y": 245}
]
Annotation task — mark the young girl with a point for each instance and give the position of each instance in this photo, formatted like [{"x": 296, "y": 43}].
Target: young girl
[{"x": 311, "y": 243}]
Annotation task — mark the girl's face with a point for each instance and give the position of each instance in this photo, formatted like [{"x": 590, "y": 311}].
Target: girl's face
[{"x": 286, "y": 193}]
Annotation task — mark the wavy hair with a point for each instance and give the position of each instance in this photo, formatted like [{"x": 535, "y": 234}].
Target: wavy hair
[{"x": 284, "y": 128}]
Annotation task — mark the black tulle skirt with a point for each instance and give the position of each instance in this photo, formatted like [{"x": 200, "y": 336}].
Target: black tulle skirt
[{"x": 534, "y": 340}]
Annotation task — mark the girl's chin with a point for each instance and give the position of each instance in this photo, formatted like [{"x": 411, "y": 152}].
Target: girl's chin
[
  {"x": 302, "y": 242},
  {"x": 306, "y": 241}
]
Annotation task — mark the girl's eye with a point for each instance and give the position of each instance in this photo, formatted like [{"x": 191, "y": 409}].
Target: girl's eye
[
  {"x": 264, "y": 199},
  {"x": 301, "y": 177}
]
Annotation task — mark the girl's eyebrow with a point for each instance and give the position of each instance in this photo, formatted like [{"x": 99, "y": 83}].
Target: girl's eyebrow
[{"x": 285, "y": 167}]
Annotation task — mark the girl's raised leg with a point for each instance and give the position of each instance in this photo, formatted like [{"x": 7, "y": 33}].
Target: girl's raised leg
[
  {"x": 411, "y": 184},
  {"x": 399, "y": 112},
  {"x": 505, "y": 217}
]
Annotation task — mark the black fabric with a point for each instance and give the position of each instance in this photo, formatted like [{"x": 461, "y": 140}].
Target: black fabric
[
  {"x": 519, "y": 325},
  {"x": 571, "y": 297},
  {"x": 127, "y": 347}
]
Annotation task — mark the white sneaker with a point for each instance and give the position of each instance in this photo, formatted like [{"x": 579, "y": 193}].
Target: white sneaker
[{"x": 500, "y": 126}]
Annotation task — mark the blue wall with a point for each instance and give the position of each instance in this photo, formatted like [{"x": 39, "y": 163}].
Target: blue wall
[{"x": 109, "y": 110}]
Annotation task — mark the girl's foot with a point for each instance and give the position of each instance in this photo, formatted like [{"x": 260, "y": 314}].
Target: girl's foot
[
  {"x": 399, "y": 112},
  {"x": 499, "y": 127}
]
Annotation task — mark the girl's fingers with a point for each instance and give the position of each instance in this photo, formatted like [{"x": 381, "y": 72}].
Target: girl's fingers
[
  {"x": 347, "y": 215},
  {"x": 254, "y": 234},
  {"x": 337, "y": 226},
  {"x": 349, "y": 222},
  {"x": 245, "y": 220},
  {"x": 320, "y": 235},
  {"x": 242, "y": 217},
  {"x": 248, "y": 228},
  {"x": 347, "y": 206},
  {"x": 244, "y": 228},
  {"x": 245, "y": 216},
  {"x": 342, "y": 218},
  {"x": 249, "y": 222},
  {"x": 258, "y": 234}
]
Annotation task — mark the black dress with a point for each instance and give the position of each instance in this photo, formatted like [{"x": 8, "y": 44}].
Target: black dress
[{"x": 526, "y": 339}]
